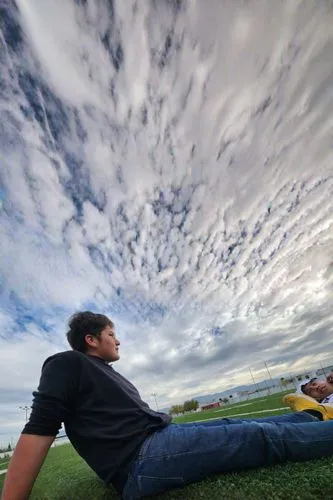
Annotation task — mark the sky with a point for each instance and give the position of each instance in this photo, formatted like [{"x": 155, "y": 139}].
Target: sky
[{"x": 170, "y": 166}]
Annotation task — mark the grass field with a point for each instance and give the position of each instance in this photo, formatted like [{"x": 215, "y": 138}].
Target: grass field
[
  {"x": 65, "y": 476},
  {"x": 4, "y": 460}
]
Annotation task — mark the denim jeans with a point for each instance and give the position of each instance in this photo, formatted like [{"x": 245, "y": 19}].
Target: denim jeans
[{"x": 184, "y": 453}]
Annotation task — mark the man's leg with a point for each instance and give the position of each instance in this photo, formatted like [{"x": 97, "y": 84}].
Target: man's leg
[
  {"x": 293, "y": 418},
  {"x": 180, "y": 454}
]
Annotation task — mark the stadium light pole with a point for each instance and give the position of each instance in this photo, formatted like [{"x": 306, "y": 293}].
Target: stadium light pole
[
  {"x": 25, "y": 408},
  {"x": 269, "y": 374},
  {"x": 155, "y": 397},
  {"x": 255, "y": 383},
  {"x": 267, "y": 387}
]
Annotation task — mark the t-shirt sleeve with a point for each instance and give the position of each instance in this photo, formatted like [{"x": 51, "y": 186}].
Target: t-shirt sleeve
[
  {"x": 328, "y": 400},
  {"x": 54, "y": 398}
]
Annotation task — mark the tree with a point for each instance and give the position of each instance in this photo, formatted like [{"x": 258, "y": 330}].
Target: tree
[
  {"x": 176, "y": 409},
  {"x": 190, "y": 405},
  {"x": 173, "y": 410},
  {"x": 9, "y": 447}
]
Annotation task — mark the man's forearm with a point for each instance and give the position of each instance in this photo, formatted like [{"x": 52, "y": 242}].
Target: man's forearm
[{"x": 24, "y": 466}]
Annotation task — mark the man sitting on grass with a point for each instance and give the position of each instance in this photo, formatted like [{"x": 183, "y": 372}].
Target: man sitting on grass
[
  {"x": 310, "y": 392},
  {"x": 133, "y": 447}
]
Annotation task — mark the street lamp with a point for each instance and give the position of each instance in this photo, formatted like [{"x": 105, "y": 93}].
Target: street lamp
[{"x": 25, "y": 408}]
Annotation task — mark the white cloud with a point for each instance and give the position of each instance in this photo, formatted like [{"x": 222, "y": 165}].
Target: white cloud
[{"x": 172, "y": 169}]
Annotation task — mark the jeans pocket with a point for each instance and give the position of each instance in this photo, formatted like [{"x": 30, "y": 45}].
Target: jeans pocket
[{"x": 150, "y": 485}]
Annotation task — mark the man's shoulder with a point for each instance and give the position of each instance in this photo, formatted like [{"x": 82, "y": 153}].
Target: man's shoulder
[{"x": 64, "y": 358}]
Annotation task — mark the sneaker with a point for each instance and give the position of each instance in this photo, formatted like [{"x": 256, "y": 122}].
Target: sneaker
[{"x": 303, "y": 403}]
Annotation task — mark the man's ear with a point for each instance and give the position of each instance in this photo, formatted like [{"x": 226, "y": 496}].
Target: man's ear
[{"x": 91, "y": 340}]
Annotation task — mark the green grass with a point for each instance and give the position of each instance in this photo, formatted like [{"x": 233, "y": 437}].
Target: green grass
[
  {"x": 4, "y": 459},
  {"x": 253, "y": 406},
  {"x": 4, "y": 463},
  {"x": 65, "y": 475}
]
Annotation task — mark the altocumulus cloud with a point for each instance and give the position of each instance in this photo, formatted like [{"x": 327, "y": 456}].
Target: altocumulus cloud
[{"x": 170, "y": 166}]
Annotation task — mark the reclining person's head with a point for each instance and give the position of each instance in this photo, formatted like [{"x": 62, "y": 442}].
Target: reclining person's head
[{"x": 317, "y": 389}]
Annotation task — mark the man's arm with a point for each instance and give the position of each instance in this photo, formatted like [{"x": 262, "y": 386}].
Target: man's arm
[
  {"x": 25, "y": 465},
  {"x": 50, "y": 407}
]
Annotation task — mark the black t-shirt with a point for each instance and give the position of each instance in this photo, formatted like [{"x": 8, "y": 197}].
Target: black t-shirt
[{"x": 103, "y": 413}]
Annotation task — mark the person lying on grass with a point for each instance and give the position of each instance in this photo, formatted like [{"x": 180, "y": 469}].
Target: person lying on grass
[
  {"x": 310, "y": 393},
  {"x": 136, "y": 449},
  {"x": 320, "y": 390}
]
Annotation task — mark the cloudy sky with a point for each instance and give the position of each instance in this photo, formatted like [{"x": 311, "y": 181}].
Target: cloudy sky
[{"x": 170, "y": 165}]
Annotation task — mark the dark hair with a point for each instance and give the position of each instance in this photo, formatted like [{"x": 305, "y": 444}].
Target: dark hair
[{"x": 85, "y": 323}]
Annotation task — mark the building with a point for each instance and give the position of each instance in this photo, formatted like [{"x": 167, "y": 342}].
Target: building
[
  {"x": 324, "y": 371},
  {"x": 210, "y": 406}
]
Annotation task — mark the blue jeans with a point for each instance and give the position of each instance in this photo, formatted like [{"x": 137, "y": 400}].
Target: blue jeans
[{"x": 183, "y": 453}]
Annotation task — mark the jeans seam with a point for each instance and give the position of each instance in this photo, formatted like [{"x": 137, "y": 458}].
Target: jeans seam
[
  {"x": 144, "y": 447},
  {"x": 162, "y": 457},
  {"x": 162, "y": 477}
]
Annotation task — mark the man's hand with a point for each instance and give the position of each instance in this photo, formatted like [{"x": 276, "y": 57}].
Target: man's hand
[{"x": 24, "y": 466}]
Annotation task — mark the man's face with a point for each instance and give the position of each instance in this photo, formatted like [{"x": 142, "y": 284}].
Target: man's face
[
  {"x": 318, "y": 389},
  {"x": 106, "y": 346}
]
